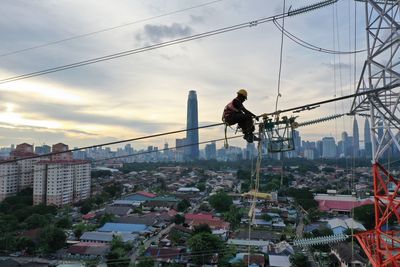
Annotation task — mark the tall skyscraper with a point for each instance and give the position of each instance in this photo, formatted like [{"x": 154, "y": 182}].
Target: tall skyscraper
[
  {"x": 356, "y": 138},
  {"x": 367, "y": 139},
  {"x": 329, "y": 147},
  {"x": 192, "y": 137}
]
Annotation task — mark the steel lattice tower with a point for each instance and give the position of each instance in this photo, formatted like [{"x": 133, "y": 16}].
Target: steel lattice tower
[{"x": 382, "y": 69}]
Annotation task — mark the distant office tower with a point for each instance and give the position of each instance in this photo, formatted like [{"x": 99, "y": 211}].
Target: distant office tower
[
  {"x": 356, "y": 139},
  {"x": 367, "y": 139},
  {"x": 192, "y": 137},
  {"x": 251, "y": 151},
  {"x": 347, "y": 145},
  {"x": 319, "y": 148},
  {"x": 180, "y": 149},
  {"x": 211, "y": 151},
  {"x": 328, "y": 147},
  {"x": 309, "y": 154},
  {"x": 61, "y": 180}
]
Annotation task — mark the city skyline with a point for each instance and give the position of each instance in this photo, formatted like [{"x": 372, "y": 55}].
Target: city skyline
[{"x": 77, "y": 106}]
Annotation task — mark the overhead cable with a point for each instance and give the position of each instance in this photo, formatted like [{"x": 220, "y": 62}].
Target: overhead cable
[
  {"x": 123, "y": 156},
  {"x": 295, "y": 109},
  {"x": 310, "y": 46},
  {"x": 167, "y": 43},
  {"x": 106, "y": 29},
  {"x": 114, "y": 143}
]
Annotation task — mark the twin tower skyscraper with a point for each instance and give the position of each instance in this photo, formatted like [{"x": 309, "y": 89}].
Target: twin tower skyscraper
[{"x": 192, "y": 122}]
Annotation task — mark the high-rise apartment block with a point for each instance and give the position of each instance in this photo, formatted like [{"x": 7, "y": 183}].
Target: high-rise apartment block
[
  {"x": 61, "y": 180},
  {"x": 17, "y": 175},
  {"x": 56, "y": 180}
]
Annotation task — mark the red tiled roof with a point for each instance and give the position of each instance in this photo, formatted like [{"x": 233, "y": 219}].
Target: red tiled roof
[
  {"x": 172, "y": 212},
  {"x": 146, "y": 194},
  {"x": 214, "y": 223},
  {"x": 88, "y": 216},
  {"x": 199, "y": 216},
  {"x": 86, "y": 248},
  {"x": 254, "y": 259},
  {"x": 327, "y": 205}
]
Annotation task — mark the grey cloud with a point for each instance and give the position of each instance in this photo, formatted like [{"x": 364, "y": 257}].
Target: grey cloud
[
  {"x": 75, "y": 113},
  {"x": 45, "y": 129},
  {"x": 196, "y": 19},
  {"x": 157, "y": 33}
]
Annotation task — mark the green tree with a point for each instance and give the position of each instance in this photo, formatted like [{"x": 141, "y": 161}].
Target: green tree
[
  {"x": 92, "y": 263},
  {"x": 202, "y": 228},
  {"x": 36, "y": 221},
  {"x": 366, "y": 215},
  {"x": 204, "y": 242},
  {"x": 183, "y": 205},
  {"x": 221, "y": 201},
  {"x": 233, "y": 216},
  {"x": 118, "y": 256},
  {"x": 7, "y": 242},
  {"x": 146, "y": 262},
  {"x": 201, "y": 186},
  {"x": 105, "y": 218},
  {"x": 87, "y": 206},
  {"x": 52, "y": 239},
  {"x": 26, "y": 244},
  {"x": 299, "y": 260},
  {"x": 176, "y": 237},
  {"x": 64, "y": 223},
  {"x": 179, "y": 219}
]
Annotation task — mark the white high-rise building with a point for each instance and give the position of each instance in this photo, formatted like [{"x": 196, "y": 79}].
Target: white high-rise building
[
  {"x": 17, "y": 175},
  {"x": 8, "y": 179},
  {"x": 61, "y": 180}
]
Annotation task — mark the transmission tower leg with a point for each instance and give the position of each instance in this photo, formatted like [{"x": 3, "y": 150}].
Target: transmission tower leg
[{"x": 382, "y": 245}]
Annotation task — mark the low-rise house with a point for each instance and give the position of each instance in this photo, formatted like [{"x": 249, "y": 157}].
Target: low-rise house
[
  {"x": 117, "y": 210},
  {"x": 162, "y": 203},
  {"x": 339, "y": 226},
  {"x": 140, "y": 229},
  {"x": 256, "y": 260},
  {"x": 107, "y": 237},
  {"x": 256, "y": 235},
  {"x": 243, "y": 244},
  {"x": 279, "y": 261},
  {"x": 340, "y": 203},
  {"x": 206, "y": 218},
  {"x": 91, "y": 250},
  {"x": 343, "y": 252},
  {"x": 167, "y": 255}
]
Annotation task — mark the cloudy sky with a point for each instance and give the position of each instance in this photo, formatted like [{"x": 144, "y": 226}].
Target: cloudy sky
[{"x": 146, "y": 93}]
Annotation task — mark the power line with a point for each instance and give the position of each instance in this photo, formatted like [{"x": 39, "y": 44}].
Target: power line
[
  {"x": 114, "y": 143},
  {"x": 310, "y": 46},
  {"x": 168, "y": 43},
  {"x": 82, "y": 162},
  {"x": 295, "y": 109},
  {"x": 106, "y": 29}
]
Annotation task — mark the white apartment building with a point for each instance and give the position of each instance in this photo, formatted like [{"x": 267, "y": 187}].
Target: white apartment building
[
  {"x": 8, "y": 179},
  {"x": 61, "y": 180},
  {"x": 61, "y": 183}
]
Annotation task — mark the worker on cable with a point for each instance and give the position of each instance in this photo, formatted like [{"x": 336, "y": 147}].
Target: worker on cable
[{"x": 235, "y": 112}]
